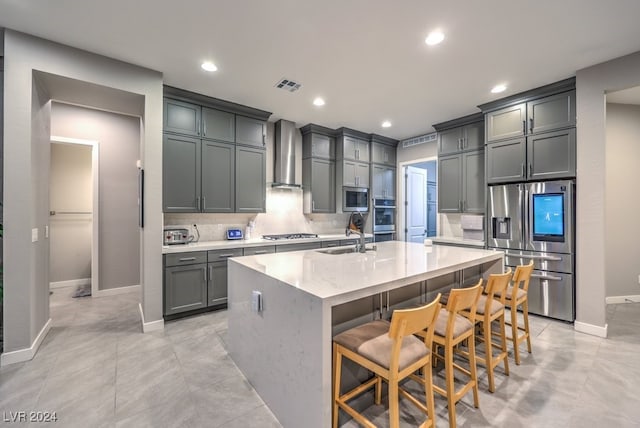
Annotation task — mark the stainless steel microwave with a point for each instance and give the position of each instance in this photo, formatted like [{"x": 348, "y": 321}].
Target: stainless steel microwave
[{"x": 355, "y": 199}]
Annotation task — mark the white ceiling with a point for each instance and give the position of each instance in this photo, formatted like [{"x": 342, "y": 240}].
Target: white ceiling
[{"x": 367, "y": 58}]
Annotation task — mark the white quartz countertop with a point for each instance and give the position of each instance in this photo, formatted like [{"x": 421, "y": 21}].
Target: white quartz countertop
[
  {"x": 244, "y": 243},
  {"x": 456, "y": 240},
  {"x": 346, "y": 276}
]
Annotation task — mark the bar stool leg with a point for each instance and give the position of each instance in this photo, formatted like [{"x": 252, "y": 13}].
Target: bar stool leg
[
  {"x": 394, "y": 412},
  {"x": 473, "y": 370},
  {"x": 448, "y": 365},
  {"x": 337, "y": 373},
  {"x": 488, "y": 350},
  {"x": 525, "y": 314},
  {"x": 514, "y": 332}
]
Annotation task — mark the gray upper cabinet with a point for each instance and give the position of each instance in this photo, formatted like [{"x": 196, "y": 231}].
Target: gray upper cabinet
[
  {"x": 218, "y": 177},
  {"x": 181, "y": 174},
  {"x": 508, "y": 122},
  {"x": 473, "y": 185},
  {"x": 318, "y": 146},
  {"x": 383, "y": 154},
  {"x": 251, "y": 180},
  {"x": 383, "y": 182},
  {"x": 181, "y": 117},
  {"x": 353, "y": 149},
  {"x": 462, "y": 138},
  {"x": 318, "y": 182},
  {"x": 218, "y": 125},
  {"x": 552, "y": 155},
  {"x": 449, "y": 183},
  {"x": 355, "y": 174},
  {"x": 551, "y": 113},
  {"x": 506, "y": 161},
  {"x": 250, "y": 131},
  {"x": 461, "y": 183}
]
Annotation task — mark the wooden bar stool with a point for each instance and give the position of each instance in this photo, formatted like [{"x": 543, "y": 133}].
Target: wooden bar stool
[
  {"x": 517, "y": 295},
  {"x": 454, "y": 325},
  {"x": 392, "y": 353},
  {"x": 491, "y": 308}
]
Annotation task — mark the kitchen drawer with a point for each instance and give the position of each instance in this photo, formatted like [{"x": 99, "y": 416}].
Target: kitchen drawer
[
  {"x": 329, "y": 244},
  {"x": 188, "y": 258},
  {"x": 298, "y": 247},
  {"x": 221, "y": 255},
  {"x": 265, "y": 249},
  {"x": 551, "y": 294}
]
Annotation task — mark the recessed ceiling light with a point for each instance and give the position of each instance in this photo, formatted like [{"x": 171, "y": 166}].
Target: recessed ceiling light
[
  {"x": 386, "y": 124},
  {"x": 498, "y": 88},
  {"x": 434, "y": 38},
  {"x": 208, "y": 66},
  {"x": 318, "y": 102}
]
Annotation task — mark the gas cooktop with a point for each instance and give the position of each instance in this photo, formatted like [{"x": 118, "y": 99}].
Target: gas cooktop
[{"x": 289, "y": 236}]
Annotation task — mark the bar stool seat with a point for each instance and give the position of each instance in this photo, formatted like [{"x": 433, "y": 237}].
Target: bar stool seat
[{"x": 392, "y": 352}]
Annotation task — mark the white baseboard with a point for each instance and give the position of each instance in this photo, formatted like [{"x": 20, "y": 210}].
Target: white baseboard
[
  {"x": 28, "y": 353},
  {"x": 623, "y": 299},
  {"x": 593, "y": 330},
  {"x": 70, "y": 283},
  {"x": 118, "y": 290},
  {"x": 148, "y": 327}
]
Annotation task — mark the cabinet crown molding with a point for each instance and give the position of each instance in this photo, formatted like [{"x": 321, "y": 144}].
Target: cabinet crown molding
[
  {"x": 530, "y": 95},
  {"x": 461, "y": 121}
]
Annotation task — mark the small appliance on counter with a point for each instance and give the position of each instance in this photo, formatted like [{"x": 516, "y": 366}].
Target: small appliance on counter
[
  {"x": 234, "y": 234},
  {"x": 175, "y": 236}
]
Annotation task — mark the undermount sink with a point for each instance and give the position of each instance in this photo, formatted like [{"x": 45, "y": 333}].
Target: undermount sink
[{"x": 344, "y": 250}]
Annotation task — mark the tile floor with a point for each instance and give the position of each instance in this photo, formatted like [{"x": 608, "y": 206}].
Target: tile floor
[{"x": 96, "y": 369}]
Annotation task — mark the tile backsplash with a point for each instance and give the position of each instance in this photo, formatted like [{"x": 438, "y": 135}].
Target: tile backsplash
[{"x": 283, "y": 215}]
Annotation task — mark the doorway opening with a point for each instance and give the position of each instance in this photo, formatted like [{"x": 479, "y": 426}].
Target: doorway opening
[
  {"x": 74, "y": 215},
  {"x": 418, "y": 211}
]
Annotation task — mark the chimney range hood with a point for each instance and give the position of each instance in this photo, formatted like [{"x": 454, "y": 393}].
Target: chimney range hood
[{"x": 284, "y": 174}]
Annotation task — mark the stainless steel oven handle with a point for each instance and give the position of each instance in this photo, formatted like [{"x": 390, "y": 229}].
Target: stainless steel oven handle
[
  {"x": 524, "y": 256},
  {"x": 546, "y": 277}
]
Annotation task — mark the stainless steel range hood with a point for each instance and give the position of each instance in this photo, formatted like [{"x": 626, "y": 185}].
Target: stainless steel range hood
[{"x": 284, "y": 174}]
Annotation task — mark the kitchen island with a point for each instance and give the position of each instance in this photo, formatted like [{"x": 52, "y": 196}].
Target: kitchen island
[{"x": 282, "y": 339}]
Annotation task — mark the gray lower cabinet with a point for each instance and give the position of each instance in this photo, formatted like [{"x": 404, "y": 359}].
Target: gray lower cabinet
[
  {"x": 318, "y": 184},
  {"x": 250, "y": 177},
  {"x": 180, "y": 174},
  {"x": 298, "y": 247},
  {"x": 218, "y": 177},
  {"x": 543, "y": 156},
  {"x": 181, "y": 117},
  {"x": 218, "y": 125},
  {"x": 217, "y": 284},
  {"x": 461, "y": 183},
  {"x": 250, "y": 131},
  {"x": 185, "y": 282},
  {"x": 330, "y": 244},
  {"x": 263, "y": 249}
]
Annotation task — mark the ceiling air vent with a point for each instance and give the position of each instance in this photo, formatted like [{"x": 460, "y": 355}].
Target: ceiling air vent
[
  {"x": 288, "y": 85},
  {"x": 420, "y": 140}
]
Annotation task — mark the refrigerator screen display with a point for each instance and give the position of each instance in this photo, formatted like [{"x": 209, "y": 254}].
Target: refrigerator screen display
[{"x": 548, "y": 217}]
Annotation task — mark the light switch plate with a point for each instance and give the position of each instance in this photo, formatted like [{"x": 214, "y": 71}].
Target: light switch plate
[
  {"x": 34, "y": 235},
  {"x": 46, "y": 232}
]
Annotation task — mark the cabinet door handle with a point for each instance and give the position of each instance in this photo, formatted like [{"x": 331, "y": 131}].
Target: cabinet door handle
[
  {"x": 530, "y": 170},
  {"x": 459, "y": 143},
  {"x": 522, "y": 170},
  {"x": 260, "y": 252},
  {"x": 530, "y": 124},
  {"x": 204, "y": 275},
  {"x": 224, "y": 256},
  {"x": 197, "y": 127},
  {"x": 204, "y": 128},
  {"x": 313, "y": 205},
  {"x": 204, "y": 204},
  {"x": 464, "y": 205},
  {"x": 524, "y": 127},
  {"x": 187, "y": 259},
  {"x": 198, "y": 203}
]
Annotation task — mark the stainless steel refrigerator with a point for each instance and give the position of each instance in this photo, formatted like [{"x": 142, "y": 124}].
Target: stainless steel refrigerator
[{"x": 536, "y": 221}]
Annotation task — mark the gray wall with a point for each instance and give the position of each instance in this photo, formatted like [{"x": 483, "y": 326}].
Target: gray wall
[
  {"x": 25, "y": 198},
  {"x": 420, "y": 151},
  {"x": 119, "y": 139},
  {"x": 70, "y": 190},
  {"x": 591, "y": 84},
  {"x": 622, "y": 251}
]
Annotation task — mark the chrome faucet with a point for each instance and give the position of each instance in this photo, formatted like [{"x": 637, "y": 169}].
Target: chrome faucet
[{"x": 360, "y": 246}]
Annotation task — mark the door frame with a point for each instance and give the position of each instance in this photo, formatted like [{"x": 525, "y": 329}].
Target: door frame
[
  {"x": 95, "y": 211},
  {"x": 401, "y": 235}
]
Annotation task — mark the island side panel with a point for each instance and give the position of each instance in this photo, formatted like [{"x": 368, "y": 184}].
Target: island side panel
[{"x": 283, "y": 351}]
